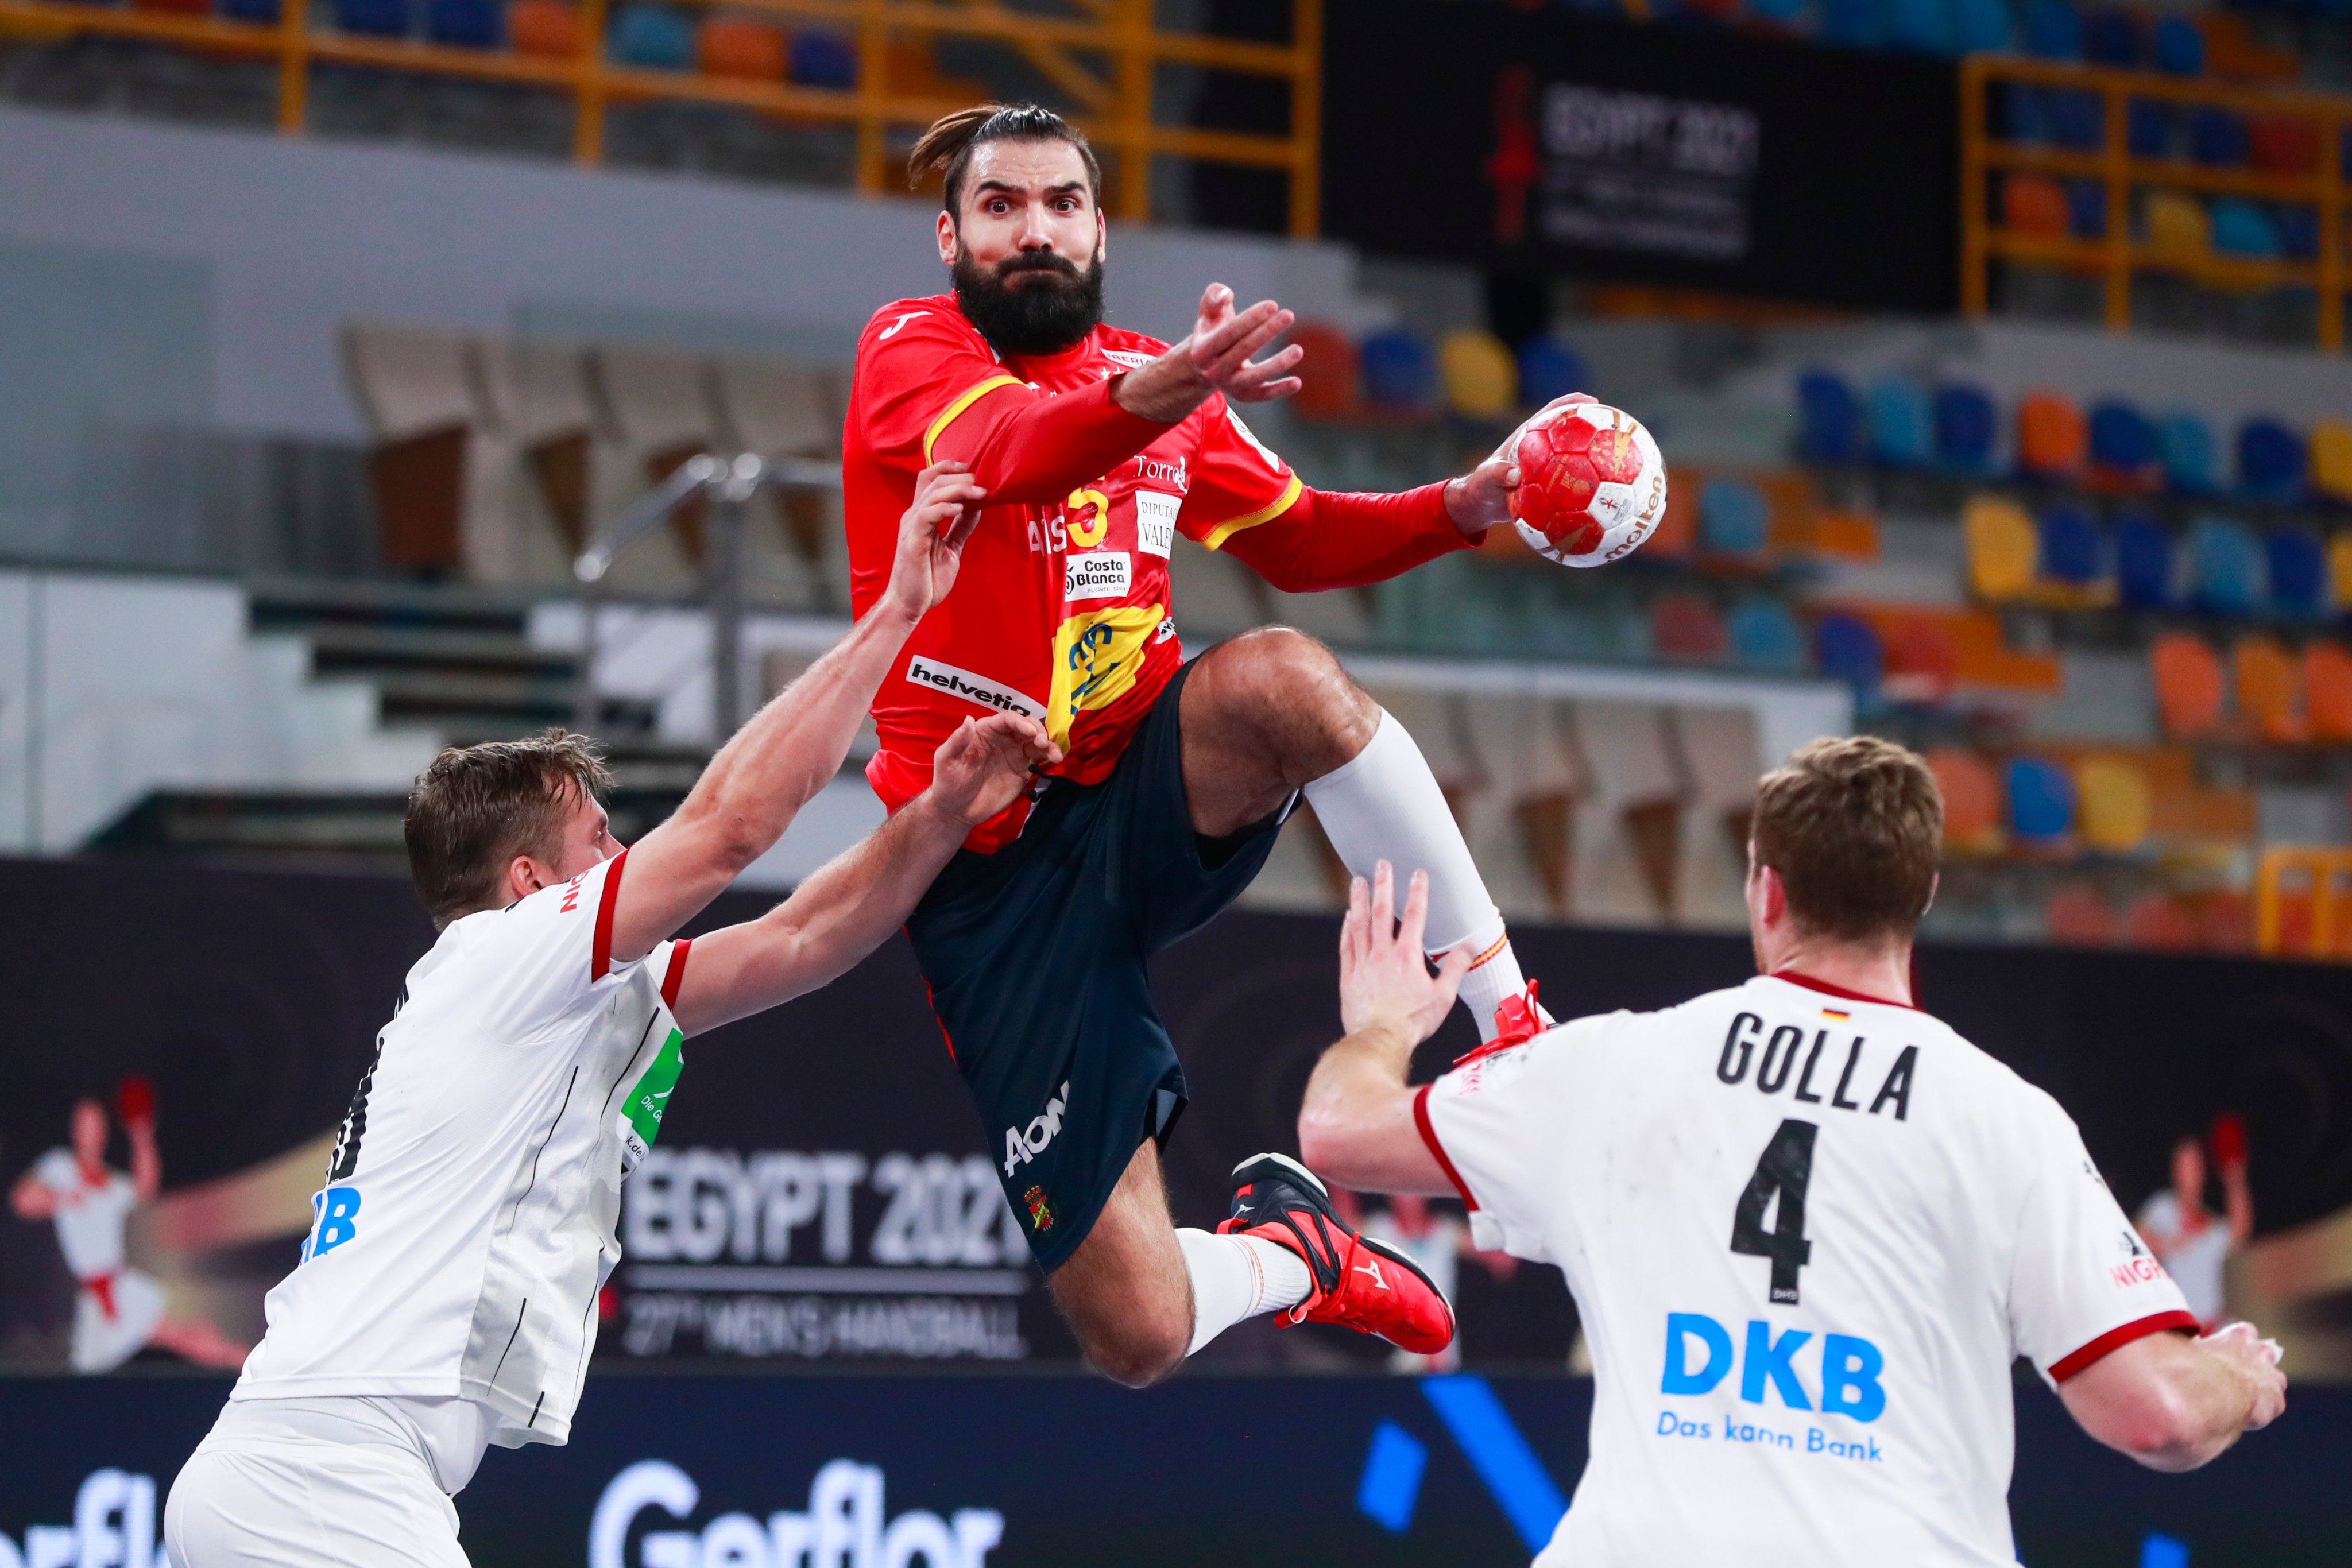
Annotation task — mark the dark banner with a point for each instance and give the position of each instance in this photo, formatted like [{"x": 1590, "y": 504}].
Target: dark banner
[
  {"x": 975, "y": 1471},
  {"x": 1536, "y": 141},
  {"x": 821, "y": 1192}
]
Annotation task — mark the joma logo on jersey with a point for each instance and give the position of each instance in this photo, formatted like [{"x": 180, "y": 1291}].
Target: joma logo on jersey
[{"x": 1022, "y": 1145}]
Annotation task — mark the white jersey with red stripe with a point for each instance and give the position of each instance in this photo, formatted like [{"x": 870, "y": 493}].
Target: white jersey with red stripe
[
  {"x": 467, "y": 1222},
  {"x": 90, "y": 1213},
  {"x": 1807, "y": 1233}
]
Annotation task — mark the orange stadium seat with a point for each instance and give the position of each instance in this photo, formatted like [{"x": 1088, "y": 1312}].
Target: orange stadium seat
[
  {"x": 740, "y": 47},
  {"x": 2269, "y": 682},
  {"x": 2331, "y": 457},
  {"x": 2053, "y": 438},
  {"x": 2189, "y": 685},
  {"x": 1331, "y": 372},
  {"x": 548, "y": 29},
  {"x": 1971, "y": 800},
  {"x": 2328, "y": 691}
]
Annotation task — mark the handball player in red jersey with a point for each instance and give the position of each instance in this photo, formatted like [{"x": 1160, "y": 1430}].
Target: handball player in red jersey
[{"x": 1089, "y": 449}]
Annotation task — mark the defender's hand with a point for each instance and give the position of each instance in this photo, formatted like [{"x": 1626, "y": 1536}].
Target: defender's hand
[
  {"x": 1481, "y": 499},
  {"x": 932, "y": 536},
  {"x": 985, "y": 764},
  {"x": 1384, "y": 978},
  {"x": 2256, "y": 1360}
]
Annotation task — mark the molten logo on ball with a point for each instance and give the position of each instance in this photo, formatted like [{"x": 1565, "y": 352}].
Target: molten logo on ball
[{"x": 1591, "y": 484}]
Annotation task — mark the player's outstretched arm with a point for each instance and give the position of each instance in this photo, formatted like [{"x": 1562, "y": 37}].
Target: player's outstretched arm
[
  {"x": 846, "y": 910},
  {"x": 1357, "y": 1124},
  {"x": 31, "y": 1198},
  {"x": 2174, "y": 1403},
  {"x": 793, "y": 747}
]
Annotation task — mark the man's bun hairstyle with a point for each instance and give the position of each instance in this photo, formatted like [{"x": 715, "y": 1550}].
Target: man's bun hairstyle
[
  {"x": 947, "y": 145},
  {"x": 1855, "y": 828}
]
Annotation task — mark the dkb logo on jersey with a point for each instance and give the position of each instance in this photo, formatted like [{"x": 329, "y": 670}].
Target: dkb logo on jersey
[
  {"x": 334, "y": 1220},
  {"x": 1850, "y": 1368}
]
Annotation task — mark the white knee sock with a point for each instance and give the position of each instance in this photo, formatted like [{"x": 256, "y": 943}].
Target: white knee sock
[
  {"x": 1385, "y": 804},
  {"x": 1237, "y": 1277}
]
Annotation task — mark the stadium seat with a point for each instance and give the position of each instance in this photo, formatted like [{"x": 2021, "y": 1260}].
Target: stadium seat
[
  {"x": 1966, "y": 427},
  {"x": 538, "y": 393},
  {"x": 1925, "y": 26},
  {"x": 659, "y": 402},
  {"x": 2243, "y": 228},
  {"x": 1480, "y": 377},
  {"x": 2298, "y": 232},
  {"x": 1922, "y": 662},
  {"x": 1549, "y": 368},
  {"x": 2054, "y": 30},
  {"x": 2142, "y": 562},
  {"x": 2035, "y": 204},
  {"x": 2004, "y": 548},
  {"x": 2077, "y": 917},
  {"x": 2339, "y": 571},
  {"x": 1831, "y": 427},
  {"x": 1846, "y": 647},
  {"x": 741, "y": 49},
  {"x": 2179, "y": 47},
  {"x": 2225, "y": 566},
  {"x": 2189, "y": 458},
  {"x": 2217, "y": 138},
  {"x": 1630, "y": 853},
  {"x": 2126, "y": 453},
  {"x": 2283, "y": 144},
  {"x": 824, "y": 59},
  {"x": 653, "y": 37},
  {"x": 2295, "y": 566},
  {"x": 1766, "y": 636},
  {"x": 1330, "y": 374},
  {"x": 2115, "y": 804},
  {"x": 544, "y": 29},
  {"x": 1972, "y": 799},
  {"x": 2331, "y": 457},
  {"x": 2148, "y": 125},
  {"x": 2269, "y": 686},
  {"x": 2113, "y": 37},
  {"x": 2157, "y": 922},
  {"x": 2041, "y": 802},
  {"x": 1854, "y": 24},
  {"x": 2052, "y": 437},
  {"x": 1676, "y": 535},
  {"x": 1686, "y": 626},
  {"x": 2068, "y": 548},
  {"x": 1399, "y": 373},
  {"x": 465, "y": 24},
  {"x": 2188, "y": 684},
  {"x": 2177, "y": 225},
  {"x": 2086, "y": 209},
  {"x": 778, "y": 407},
  {"x": 2271, "y": 460},
  {"x": 2328, "y": 691},
  {"x": 174, "y": 7},
  {"x": 1733, "y": 517},
  {"x": 413, "y": 386},
  {"x": 1901, "y": 427},
  {"x": 2016, "y": 113},
  {"x": 1980, "y": 26},
  {"x": 374, "y": 19},
  {"x": 261, "y": 10},
  {"x": 2077, "y": 120}
]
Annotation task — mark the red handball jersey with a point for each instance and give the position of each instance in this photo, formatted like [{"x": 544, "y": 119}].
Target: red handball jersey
[{"x": 1062, "y": 608}]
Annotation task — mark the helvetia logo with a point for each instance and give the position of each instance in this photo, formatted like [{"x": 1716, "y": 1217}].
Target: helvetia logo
[
  {"x": 972, "y": 688},
  {"x": 844, "y": 1526}
]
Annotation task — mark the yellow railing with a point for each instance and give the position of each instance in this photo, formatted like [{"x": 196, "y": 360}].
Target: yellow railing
[
  {"x": 1103, "y": 58},
  {"x": 2303, "y": 902},
  {"x": 2118, "y": 256}
]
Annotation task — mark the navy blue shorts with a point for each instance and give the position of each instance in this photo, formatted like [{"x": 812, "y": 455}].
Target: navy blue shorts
[{"x": 1035, "y": 956}]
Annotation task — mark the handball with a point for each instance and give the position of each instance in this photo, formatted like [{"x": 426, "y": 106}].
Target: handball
[{"x": 1591, "y": 484}]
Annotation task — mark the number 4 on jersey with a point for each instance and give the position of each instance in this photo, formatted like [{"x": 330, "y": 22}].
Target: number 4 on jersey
[{"x": 1786, "y": 1168}]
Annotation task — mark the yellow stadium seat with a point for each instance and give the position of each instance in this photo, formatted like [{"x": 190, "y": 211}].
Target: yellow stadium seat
[
  {"x": 2179, "y": 224},
  {"x": 2331, "y": 457},
  {"x": 1481, "y": 378},
  {"x": 2269, "y": 687},
  {"x": 2003, "y": 548},
  {"x": 2114, "y": 804}
]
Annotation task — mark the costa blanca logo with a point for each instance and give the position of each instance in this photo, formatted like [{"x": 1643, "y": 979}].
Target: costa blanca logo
[
  {"x": 972, "y": 688},
  {"x": 1023, "y": 1145},
  {"x": 844, "y": 1526},
  {"x": 113, "y": 1527},
  {"x": 1098, "y": 574}
]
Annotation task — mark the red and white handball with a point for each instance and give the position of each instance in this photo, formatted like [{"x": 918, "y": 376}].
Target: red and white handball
[{"x": 1592, "y": 484}]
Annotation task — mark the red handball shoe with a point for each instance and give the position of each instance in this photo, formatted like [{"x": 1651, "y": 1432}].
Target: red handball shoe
[{"x": 1359, "y": 1283}]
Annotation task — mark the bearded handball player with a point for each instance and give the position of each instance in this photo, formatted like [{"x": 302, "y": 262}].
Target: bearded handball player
[
  {"x": 1098, "y": 447},
  {"x": 446, "y": 1296}
]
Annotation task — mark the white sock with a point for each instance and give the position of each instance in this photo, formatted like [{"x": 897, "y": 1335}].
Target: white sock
[
  {"x": 1237, "y": 1277},
  {"x": 1385, "y": 804}
]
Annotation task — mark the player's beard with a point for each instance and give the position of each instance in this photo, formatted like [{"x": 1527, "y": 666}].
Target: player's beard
[{"x": 1030, "y": 315}]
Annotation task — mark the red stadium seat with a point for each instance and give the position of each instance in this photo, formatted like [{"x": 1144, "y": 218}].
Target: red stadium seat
[
  {"x": 1331, "y": 372},
  {"x": 739, "y": 48},
  {"x": 547, "y": 29}
]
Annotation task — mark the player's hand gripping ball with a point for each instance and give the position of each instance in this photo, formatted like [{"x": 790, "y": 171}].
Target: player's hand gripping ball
[{"x": 1592, "y": 484}]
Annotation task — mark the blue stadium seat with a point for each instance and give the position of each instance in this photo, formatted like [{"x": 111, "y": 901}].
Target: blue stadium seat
[
  {"x": 1733, "y": 517},
  {"x": 2225, "y": 563},
  {"x": 2070, "y": 547},
  {"x": 2020, "y": 113},
  {"x": 2297, "y": 566},
  {"x": 2189, "y": 458},
  {"x": 1830, "y": 428},
  {"x": 374, "y": 19},
  {"x": 1549, "y": 368},
  {"x": 2123, "y": 439},
  {"x": 1921, "y": 25},
  {"x": 1981, "y": 26},
  {"x": 1857, "y": 24},
  {"x": 261, "y": 10},
  {"x": 2142, "y": 562},
  {"x": 2054, "y": 30},
  {"x": 2147, "y": 128},
  {"x": 2244, "y": 228},
  {"x": 1966, "y": 427},
  {"x": 824, "y": 59},
  {"x": 654, "y": 38},
  {"x": 465, "y": 24},
  {"x": 2077, "y": 118},
  {"x": 2086, "y": 209},
  {"x": 2217, "y": 138},
  {"x": 2112, "y": 37},
  {"x": 2041, "y": 799},
  {"x": 1901, "y": 426},
  {"x": 2179, "y": 46},
  {"x": 2298, "y": 232},
  {"x": 1782, "y": 10},
  {"x": 1847, "y": 647},
  {"x": 1399, "y": 370},
  {"x": 1765, "y": 636},
  {"x": 2271, "y": 460}
]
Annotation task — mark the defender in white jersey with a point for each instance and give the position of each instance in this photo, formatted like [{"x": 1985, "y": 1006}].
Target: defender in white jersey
[
  {"x": 1808, "y": 1228},
  {"x": 446, "y": 1294}
]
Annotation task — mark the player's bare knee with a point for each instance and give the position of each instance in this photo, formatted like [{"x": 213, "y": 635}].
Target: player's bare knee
[
  {"x": 1313, "y": 716},
  {"x": 1141, "y": 1351}
]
